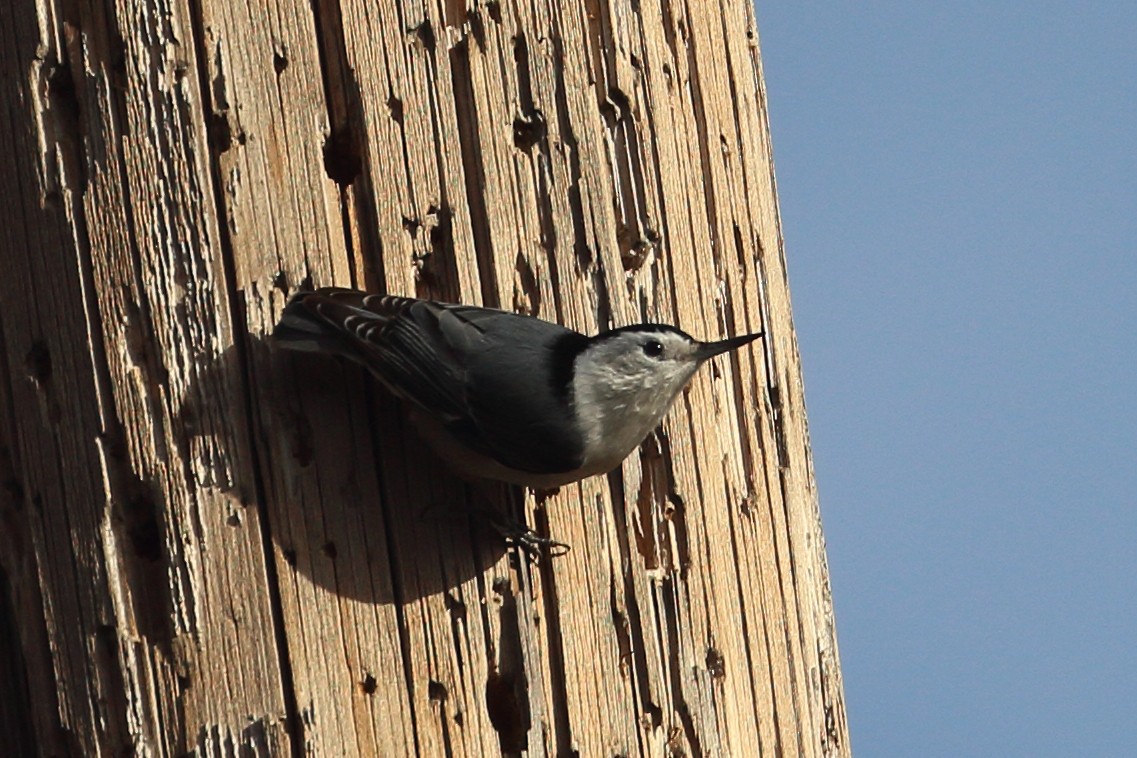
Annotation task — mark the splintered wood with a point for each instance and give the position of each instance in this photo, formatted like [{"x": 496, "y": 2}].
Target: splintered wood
[{"x": 211, "y": 546}]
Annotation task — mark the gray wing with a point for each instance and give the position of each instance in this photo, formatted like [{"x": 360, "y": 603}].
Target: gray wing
[
  {"x": 493, "y": 378},
  {"x": 518, "y": 393},
  {"x": 391, "y": 336}
]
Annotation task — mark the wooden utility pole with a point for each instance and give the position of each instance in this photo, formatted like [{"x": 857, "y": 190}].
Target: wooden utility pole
[{"x": 207, "y": 545}]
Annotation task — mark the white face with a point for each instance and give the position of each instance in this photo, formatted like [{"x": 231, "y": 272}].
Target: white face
[
  {"x": 624, "y": 384},
  {"x": 661, "y": 360}
]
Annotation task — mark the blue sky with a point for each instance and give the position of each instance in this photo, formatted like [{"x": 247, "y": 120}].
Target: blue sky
[{"x": 958, "y": 186}]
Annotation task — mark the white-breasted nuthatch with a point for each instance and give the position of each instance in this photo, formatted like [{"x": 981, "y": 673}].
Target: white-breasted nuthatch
[{"x": 505, "y": 396}]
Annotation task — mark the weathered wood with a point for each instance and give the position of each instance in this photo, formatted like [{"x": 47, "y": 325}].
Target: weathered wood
[
  {"x": 208, "y": 545},
  {"x": 152, "y": 563}
]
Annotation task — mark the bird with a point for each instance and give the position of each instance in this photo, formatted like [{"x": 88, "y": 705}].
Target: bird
[{"x": 501, "y": 395}]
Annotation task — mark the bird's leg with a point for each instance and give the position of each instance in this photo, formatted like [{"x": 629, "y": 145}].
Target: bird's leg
[
  {"x": 518, "y": 533},
  {"x": 527, "y": 540}
]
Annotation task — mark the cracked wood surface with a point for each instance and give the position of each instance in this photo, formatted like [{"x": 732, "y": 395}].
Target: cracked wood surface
[{"x": 210, "y": 546}]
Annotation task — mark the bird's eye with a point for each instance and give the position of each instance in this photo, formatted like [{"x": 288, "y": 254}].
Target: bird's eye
[{"x": 653, "y": 349}]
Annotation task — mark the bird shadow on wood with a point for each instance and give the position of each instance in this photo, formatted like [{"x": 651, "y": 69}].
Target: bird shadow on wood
[{"x": 352, "y": 501}]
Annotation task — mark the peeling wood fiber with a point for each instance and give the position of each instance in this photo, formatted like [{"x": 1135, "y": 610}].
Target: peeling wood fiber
[{"x": 207, "y": 546}]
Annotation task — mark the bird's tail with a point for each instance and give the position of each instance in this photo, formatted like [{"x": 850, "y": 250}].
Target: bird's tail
[{"x": 301, "y": 327}]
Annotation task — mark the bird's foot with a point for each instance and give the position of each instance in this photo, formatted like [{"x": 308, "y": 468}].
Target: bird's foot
[{"x": 525, "y": 539}]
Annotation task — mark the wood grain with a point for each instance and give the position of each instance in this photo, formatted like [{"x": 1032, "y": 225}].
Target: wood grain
[{"x": 211, "y": 546}]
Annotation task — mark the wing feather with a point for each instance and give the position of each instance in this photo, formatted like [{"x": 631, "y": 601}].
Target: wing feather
[{"x": 496, "y": 380}]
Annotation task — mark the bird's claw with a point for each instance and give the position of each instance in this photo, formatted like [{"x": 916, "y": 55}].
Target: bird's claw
[
  {"x": 526, "y": 540},
  {"x": 532, "y": 544}
]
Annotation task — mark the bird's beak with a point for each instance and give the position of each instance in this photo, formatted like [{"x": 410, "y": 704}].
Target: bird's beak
[{"x": 707, "y": 350}]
